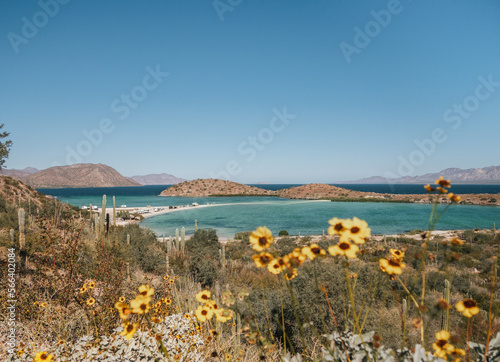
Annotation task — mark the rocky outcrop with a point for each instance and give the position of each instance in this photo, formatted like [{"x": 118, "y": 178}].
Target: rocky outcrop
[{"x": 214, "y": 187}]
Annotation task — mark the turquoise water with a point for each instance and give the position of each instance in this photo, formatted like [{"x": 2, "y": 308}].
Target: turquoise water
[
  {"x": 311, "y": 217},
  {"x": 306, "y": 217}
]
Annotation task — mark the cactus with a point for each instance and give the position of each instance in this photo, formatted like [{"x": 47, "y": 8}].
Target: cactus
[
  {"x": 177, "y": 239},
  {"x": 447, "y": 289},
  {"x": 103, "y": 215},
  {"x": 238, "y": 331},
  {"x": 183, "y": 238},
  {"x": 128, "y": 272},
  {"x": 223, "y": 256},
  {"x": 96, "y": 225},
  {"x": 22, "y": 237},
  {"x": 12, "y": 236},
  {"x": 168, "y": 264},
  {"x": 169, "y": 244},
  {"x": 405, "y": 315},
  {"x": 195, "y": 225},
  {"x": 114, "y": 211},
  {"x": 128, "y": 239}
]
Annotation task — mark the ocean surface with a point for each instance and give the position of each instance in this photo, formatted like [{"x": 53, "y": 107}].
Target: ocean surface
[{"x": 295, "y": 216}]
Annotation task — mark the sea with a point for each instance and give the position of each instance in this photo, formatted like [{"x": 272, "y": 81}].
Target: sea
[{"x": 297, "y": 217}]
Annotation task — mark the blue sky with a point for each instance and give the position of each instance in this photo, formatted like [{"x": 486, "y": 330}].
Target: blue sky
[{"x": 363, "y": 88}]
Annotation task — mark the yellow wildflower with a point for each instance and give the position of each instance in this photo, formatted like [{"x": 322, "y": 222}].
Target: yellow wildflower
[
  {"x": 391, "y": 266},
  {"x": 146, "y": 291},
  {"x": 203, "y": 313},
  {"x": 337, "y": 226},
  {"x": 261, "y": 238},
  {"x": 43, "y": 357},
  {"x": 129, "y": 329},
  {"x": 467, "y": 307},
  {"x": 262, "y": 259},
  {"x": 140, "y": 305},
  {"x": 344, "y": 248},
  {"x": 357, "y": 230}
]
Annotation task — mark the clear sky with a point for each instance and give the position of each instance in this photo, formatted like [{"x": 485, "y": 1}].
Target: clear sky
[{"x": 261, "y": 91}]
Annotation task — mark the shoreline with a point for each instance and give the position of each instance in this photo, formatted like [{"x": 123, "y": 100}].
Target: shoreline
[{"x": 162, "y": 210}]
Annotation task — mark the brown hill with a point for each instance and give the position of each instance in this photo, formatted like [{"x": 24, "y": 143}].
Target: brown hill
[
  {"x": 17, "y": 192},
  {"x": 214, "y": 187},
  {"x": 79, "y": 175},
  {"x": 317, "y": 191}
]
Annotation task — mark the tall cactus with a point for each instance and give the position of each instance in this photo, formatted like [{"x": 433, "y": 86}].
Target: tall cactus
[
  {"x": 103, "y": 215},
  {"x": 195, "y": 225},
  {"x": 447, "y": 292},
  {"x": 90, "y": 216},
  {"x": 169, "y": 244},
  {"x": 114, "y": 211},
  {"x": 405, "y": 316},
  {"x": 177, "y": 239},
  {"x": 96, "y": 225},
  {"x": 183, "y": 238},
  {"x": 22, "y": 237},
  {"x": 223, "y": 256}
]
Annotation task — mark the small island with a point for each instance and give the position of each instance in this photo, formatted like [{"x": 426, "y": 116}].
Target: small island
[{"x": 315, "y": 191}]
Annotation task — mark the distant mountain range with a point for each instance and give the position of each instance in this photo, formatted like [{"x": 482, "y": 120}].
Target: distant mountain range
[
  {"x": 79, "y": 175},
  {"x": 85, "y": 175},
  {"x": 19, "y": 174},
  {"x": 485, "y": 175},
  {"x": 158, "y": 179}
]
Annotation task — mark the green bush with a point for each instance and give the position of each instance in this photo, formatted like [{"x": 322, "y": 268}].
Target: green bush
[
  {"x": 283, "y": 233},
  {"x": 243, "y": 235},
  {"x": 203, "y": 251}
]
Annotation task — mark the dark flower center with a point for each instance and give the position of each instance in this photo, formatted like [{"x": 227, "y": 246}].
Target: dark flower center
[
  {"x": 395, "y": 263},
  {"x": 262, "y": 241},
  {"x": 43, "y": 356},
  {"x": 355, "y": 230},
  {"x": 315, "y": 250},
  {"x": 130, "y": 328},
  {"x": 338, "y": 226},
  {"x": 204, "y": 312},
  {"x": 441, "y": 343},
  {"x": 469, "y": 303},
  {"x": 204, "y": 296},
  {"x": 344, "y": 246},
  {"x": 143, "y": 306},
  {"x": 265, "y": 259}
]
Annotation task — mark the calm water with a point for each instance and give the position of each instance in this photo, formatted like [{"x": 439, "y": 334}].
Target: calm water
[{"x": 306, "y": 217}]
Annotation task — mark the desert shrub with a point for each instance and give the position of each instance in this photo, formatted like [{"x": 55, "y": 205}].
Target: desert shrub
[
  {"x": 479, "y": 237},
  {"x": 243, "y": 235},
  {"x": 123, "y": 214},
  {"x": 283, "y": 233},
  {"x": 8, "y": 215},
  {"x": 144, "y": 251},
  {"x": 286, "y": 245},
  {"x": 203, "y": 252}
]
